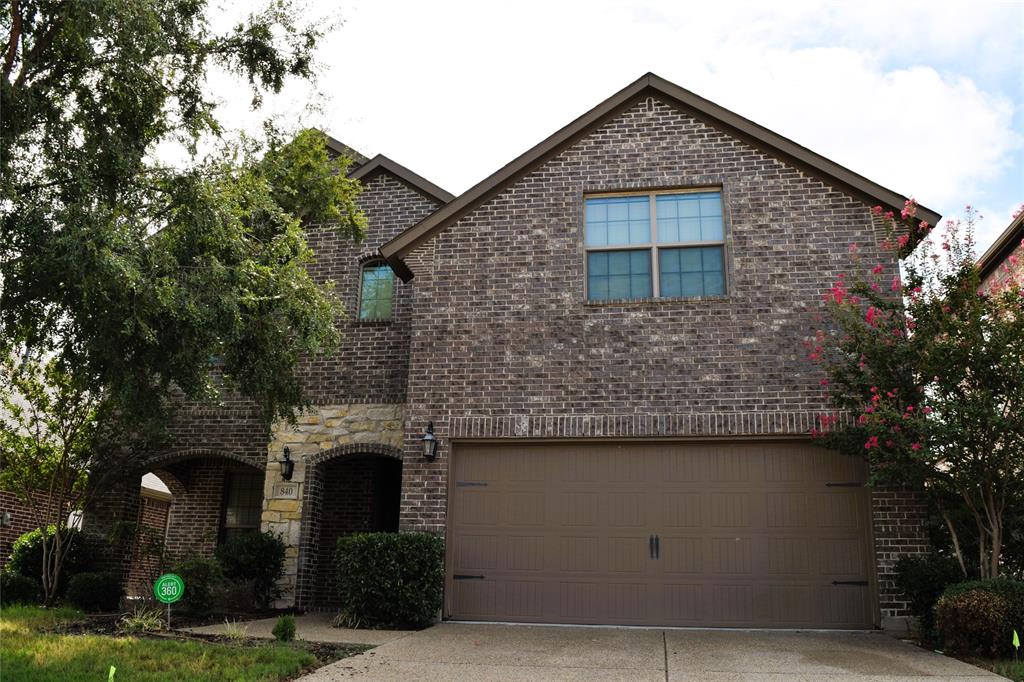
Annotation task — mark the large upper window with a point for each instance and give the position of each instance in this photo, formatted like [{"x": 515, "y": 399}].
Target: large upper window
[
  {"x": 659, "y": 244},
  {"x": 376, "y": 290}
]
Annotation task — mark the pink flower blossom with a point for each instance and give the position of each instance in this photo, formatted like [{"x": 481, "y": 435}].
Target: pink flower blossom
[
  {"x": 872, "y": 443},
  {"x": 915, "y": 447},
  {"x": 870, "y": 317},
  {"x": 924, "y": 226},
  {"x": 877, "y": 269},
  {"x": 902, "y": 241},
  {"x": 896, "y": 283},
  {"x": 926, "y": 410},
  {"x": 877, "y": 210}
]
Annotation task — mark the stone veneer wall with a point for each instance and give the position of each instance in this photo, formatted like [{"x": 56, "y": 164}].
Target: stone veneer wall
[{"x": 324, "y": 432}]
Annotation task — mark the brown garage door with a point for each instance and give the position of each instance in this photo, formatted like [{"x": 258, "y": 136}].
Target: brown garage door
[{"x": 744, "y": 535}]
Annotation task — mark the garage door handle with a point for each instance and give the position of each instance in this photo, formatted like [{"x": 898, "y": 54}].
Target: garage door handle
[
  {"x": 657, "y": 547},
  {"x": 861, "y": 583},
  {"x": 650, "y": 546},
  {"x": 461, "y": 576}
]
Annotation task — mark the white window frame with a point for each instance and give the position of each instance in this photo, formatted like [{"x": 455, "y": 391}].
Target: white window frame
[{"x": 653, "y": 246}]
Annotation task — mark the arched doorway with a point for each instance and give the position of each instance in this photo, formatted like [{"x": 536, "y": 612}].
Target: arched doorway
[
  {"x": 349, "y": 491},
  {"x": 210, "y": 498}
]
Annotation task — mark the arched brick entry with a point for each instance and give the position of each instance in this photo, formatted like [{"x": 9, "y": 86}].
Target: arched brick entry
[
  {"x": 198, "y": 479},
  {"x": 350, "y": 488}
]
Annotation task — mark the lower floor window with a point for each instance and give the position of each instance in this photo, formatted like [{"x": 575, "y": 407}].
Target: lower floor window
[{"x": 243, "y": 504}]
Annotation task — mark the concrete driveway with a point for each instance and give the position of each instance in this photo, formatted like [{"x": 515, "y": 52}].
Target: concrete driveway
[{"x": 467, "y": 652}]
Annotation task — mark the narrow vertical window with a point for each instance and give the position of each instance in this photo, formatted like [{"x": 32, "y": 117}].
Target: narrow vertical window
[{"x": 376, "y": 292}]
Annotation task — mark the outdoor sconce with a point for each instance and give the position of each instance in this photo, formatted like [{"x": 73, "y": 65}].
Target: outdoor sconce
[
  {"x": 429, "y": 443},
  {"x": 287, "y": 465}
]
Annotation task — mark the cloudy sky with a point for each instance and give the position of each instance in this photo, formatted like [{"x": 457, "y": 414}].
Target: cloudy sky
[{"x": 923, "y": 97}]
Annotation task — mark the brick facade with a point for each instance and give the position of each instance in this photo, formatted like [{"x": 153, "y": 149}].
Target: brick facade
[
  {"x": 494, "y": 339},
  {"x": 510, "y": 348},
  {"x": 23, "y": 519},
  {"x": 150, "y": 539}
]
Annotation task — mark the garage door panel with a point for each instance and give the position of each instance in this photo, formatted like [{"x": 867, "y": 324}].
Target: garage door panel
[{"x": 750, "y": 535}]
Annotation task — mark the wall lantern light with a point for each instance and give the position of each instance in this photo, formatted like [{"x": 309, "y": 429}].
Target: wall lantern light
[
  {"x": 429, "y": 443},
  {"x": 287, "y": 465}
]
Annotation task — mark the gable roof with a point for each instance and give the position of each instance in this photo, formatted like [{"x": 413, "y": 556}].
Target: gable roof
[
  {"x": 381, "y": 164},
  {"x": 339, "y": 148},
  {"x": 395, "y": 250},
  {"x": 364, "y": 168},
  {"x": 1002, "y": 247}
]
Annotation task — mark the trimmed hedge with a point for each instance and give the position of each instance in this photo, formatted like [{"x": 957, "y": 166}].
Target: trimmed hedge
[
  {"x": 390, "y": 579},
  {"x": 95, "y": 592},
  {"x": 17, "y": 589},
  {"x": 977, "y": 618},
  {"x": 923, "y": 579},
  {"x": 256, "y": 559}
]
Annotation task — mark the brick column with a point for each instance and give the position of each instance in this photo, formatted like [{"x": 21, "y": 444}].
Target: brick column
[{"x": 899, "y": 517}]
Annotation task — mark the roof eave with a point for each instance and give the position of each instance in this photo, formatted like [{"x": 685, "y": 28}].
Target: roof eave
[
  {"x": 381, "y": 163},
  {"x": 857, "y": 185},
  {"x": 1002, "y": 247}
]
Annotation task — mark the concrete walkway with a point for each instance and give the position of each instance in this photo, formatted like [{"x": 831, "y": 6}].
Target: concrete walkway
[
  {"x": 457, "y": 651},
  {"x": 312, "y": 627}
]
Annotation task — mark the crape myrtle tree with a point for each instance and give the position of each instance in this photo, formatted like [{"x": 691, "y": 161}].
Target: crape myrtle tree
[
  {"x": 121, "y": 278},
  {"x": 926, "y": 373}
]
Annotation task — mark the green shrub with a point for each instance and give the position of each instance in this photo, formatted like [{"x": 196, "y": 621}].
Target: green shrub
[
  {"x": 284, "y": 629},
  {"x": 977, "y": 618},
  {"x": 94, "y": 591},
  {"x": 17, "y": 589},
  {"x": 257, "y": 558},
  {"x": 27, "y": 555},
  {"x": 390, "y": 579},
  {"x": 203, "y": 577},
  {"x": 923, "y": 579}
]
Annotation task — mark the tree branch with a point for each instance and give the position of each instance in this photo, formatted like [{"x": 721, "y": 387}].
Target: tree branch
[{"x": 12, "y": 42}]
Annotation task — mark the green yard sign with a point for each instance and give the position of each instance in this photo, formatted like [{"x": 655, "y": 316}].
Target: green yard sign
[{"x": 169, "y": 588}]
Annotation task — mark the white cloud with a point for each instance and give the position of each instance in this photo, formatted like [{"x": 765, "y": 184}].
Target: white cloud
[{"x": 918, "y": 96}]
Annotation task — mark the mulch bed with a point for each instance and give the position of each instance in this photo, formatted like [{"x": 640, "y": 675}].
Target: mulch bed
[{"x": 109, "y": 624}]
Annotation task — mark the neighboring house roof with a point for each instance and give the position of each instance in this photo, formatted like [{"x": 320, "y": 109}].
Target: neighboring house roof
[
  {"x": 364, "y": 168},
  {"x": 1003, "y": 246},
  {"x": 857, "y": 185},
  {"x": 381, "y": 164}
]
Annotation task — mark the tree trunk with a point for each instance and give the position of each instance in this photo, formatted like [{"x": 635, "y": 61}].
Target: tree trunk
[{"x": 956, "y": 543}]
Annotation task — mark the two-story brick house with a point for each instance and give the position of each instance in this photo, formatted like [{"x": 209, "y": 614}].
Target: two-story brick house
[{"x": 605, "y": 336}]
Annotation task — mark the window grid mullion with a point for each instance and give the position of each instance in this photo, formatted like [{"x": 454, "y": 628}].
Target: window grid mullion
[{"x": 655, "y": 263}]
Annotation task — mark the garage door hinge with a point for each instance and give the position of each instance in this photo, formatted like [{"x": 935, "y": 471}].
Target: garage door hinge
[
  {"x": 462, "y": 576},
  {"x": 470, "y": 484},
  {"x": 861, "y": 583}
]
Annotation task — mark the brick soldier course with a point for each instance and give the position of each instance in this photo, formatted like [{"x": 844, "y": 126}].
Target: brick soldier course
[{"x": 492, "y": 337}]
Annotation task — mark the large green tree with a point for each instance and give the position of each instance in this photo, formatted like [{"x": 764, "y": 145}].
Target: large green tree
[
  {"x": 123, "y": 279},
  {"x": 927, "y": 373},
  {"x": 132, "y": 274}
]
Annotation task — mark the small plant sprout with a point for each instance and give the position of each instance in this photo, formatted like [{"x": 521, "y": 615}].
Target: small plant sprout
[{"x": 284, "y": 629}]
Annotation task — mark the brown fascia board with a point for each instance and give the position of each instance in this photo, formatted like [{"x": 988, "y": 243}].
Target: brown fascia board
[
  {"x": 1002, "y": 247},
  {"x": 709, "y": 112},
  {"x": 341, "y": 149},
  {"x": 381, "y": 163}
]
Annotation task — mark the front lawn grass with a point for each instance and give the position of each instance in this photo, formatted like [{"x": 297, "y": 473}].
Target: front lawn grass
[
  {"x": 1010, "y": 669},
  {"x": 28, "y": 652}
]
